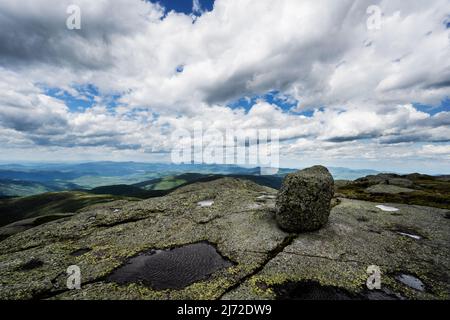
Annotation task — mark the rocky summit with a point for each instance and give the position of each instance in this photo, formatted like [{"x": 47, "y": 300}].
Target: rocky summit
[
  {"x": 303, "y": 203},
  {"x": 235, "y": 241}
]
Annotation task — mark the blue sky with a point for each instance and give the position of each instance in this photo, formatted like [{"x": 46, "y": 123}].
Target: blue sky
[
  {"x": 84, "y": 100},
  {"x": 184, "y": 6},
  {"x": 284, "y": 102},
  {"x": 86, "y": 97},
  {"x": 433, "y": 110}
]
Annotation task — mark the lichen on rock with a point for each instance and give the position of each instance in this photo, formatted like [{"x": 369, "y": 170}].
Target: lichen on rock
[
  {"x": 304, "y": 201},
  {"x": 243, "y": 228}
]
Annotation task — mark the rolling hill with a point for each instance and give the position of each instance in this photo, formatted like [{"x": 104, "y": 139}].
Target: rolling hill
[{"x": 16, "y": 209}]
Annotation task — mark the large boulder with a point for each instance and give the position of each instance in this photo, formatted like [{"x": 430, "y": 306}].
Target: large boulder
[{"x": 303, "y": 203}]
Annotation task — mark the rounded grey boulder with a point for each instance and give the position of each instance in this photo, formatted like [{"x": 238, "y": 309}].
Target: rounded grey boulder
[{"x": 304, "y": 200}]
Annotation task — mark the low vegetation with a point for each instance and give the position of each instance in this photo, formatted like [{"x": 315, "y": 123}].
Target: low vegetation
[{"x": 427, "y": 191}]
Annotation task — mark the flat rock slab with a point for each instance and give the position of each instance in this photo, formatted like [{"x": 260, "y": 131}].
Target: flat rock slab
[
  {"x": 337, "y": 257},
  {"x": 265, "y": 262},
  {"x": 242, "y": 230},
  {"x": 388, "y": 189}
]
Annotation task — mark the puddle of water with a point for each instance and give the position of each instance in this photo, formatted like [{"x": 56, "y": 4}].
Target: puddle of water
[
  {"x": 310, "y": 290},
  {"x": 387, "y": 209},
  {"x": 32, "y": 264},
  {"x": 411, "y": 282},
  {"x": 266, "y": 197},
  {"x": 381, "y": 295},
  {"x": 80, "y": 252},
  {"x": 416, "y": 237},
  {"x": 171, "y": 269},
  {"x": 205, "y": 203}
]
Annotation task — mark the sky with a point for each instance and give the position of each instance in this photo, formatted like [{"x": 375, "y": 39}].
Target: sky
[{"x": 344, "y": 83}]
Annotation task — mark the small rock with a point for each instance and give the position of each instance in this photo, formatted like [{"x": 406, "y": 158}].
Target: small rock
[{"x": 304, "y": 200}]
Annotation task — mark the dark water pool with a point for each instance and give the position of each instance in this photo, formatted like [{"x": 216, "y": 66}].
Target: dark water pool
[
  {"x": 171, "y": 269},
  {"x": 312, "y": 290},
  {"x": 80, "y": 252}
]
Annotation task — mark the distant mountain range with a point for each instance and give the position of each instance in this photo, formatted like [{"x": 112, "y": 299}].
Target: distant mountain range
[
  {"x": 50, "y": 197},
  {"x": 139, "y": 179}
]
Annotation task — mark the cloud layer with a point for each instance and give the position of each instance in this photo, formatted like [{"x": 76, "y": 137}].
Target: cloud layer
[{"x": 354, "y": 93}]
